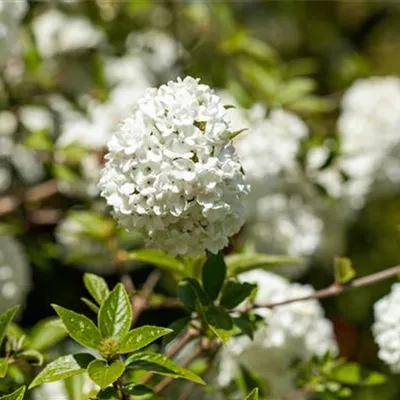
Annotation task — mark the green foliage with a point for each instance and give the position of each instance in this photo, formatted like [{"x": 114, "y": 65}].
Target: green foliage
[
  {"x": 344, "y": 271},
  {"x": 97, "y": 287},
  {"x": 235, "y": 292},
  {"x": 253, "y": 395},
  {"x": 158, "y": 258},
  {"x": 17, "y": 395},
  {"x": 103, "y": 373},
  {"x": 213, "y": 276},
  {"x": 5, "y": 320}
]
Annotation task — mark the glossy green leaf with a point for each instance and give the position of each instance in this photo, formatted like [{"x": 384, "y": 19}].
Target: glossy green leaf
[
  {"x": 157, "y": 258},
  {"x": 160, "y": 364},
  {"x": 187, "y": 294},
  {"x": 5, "y": 319},
  {"x": 17, "y": 395},
  {"x": 253, "y": 395},
  {"x": 97, "y": 287},
  {"x": 220, "y": 322},
  {"x": 213, "y": 274},
  {"x": 3, "y": 367},
  {"x": 47, "y": 333},
  {"x": 235, "y": 292},
  {"x": 137, "y": 390},
  {"x": 32, "y": 356},
  {"x": 93, "y": 307},
  {"x": 344, "y": 271},
  {"x": 355, "y": 374},
  {"x": 237, "y": 263},
  {"x": 104, "y": 374},
  {"x": 115, "y": 315},
  {"x": 202, "y": 296},
  {"x": 109, "y": 393},
  {"x": 138, "y": 338},
  {"x": 62, "y": 368},
  {"x": 79, "y": 327}
]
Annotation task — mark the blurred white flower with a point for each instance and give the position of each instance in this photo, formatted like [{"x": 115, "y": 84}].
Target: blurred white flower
[
  {"x": 158, "y": 50},
  {"x": 15, "y": 276},
  {"x": 83, "y": 238},
  {"x": 57, "y": 33},
  {"x": 369, "y": 127},
  {"x": 270, "y": 146},
  {"x": 57, "y": 390},
  {"x": 36, "y": 118},
  {"x": 386, "y": 328},
  {"x": 172, "y": 172},
  {"x": 291, "y": 332},
  {"x": 284, "y": 224},
  {"x": 11, "y": 14}
]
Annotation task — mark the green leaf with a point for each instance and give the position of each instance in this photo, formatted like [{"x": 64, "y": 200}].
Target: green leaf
[
  {"x": 253, "y": 395},
  {"x": 187, "y": 294},
  {"x": 214, "y": 273},
  {"x": 104, "y": 374},
  {"x": 176, "y": 328},
  {"x": 160, "y": 364},
  {"x": 3, "y": 367},
  {"x": 137, "y": 390},
  {"x": 355, "y": 374},
  {"x": 47, "y": 333},
  {"x": 158, "y": 258},
  {"x": 109, "y": 393},
  {"x": 97, "y": 287},
  {"x": 246, "y": 324},
  {"x": 220, "y": 322},
  {"x": 32, "y": 356},
  {"x": 235, "y": 292},
  {"x": 344, "y": 271},
  {"x": 237, "y": 263},
  {"x": 62, "y": 368},
  {"x": 115, "y": 315},
  {"x": 17, "y": 395},
  {"x": 200, "y": 293},
  {"x": 93, "y": 307},
  {"x": 79, "y": 327},
  {"x": 138, "y": 338},
  {"x": 5, "y": 319}
]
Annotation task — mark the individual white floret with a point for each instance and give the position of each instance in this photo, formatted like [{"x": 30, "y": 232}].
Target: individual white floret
[
  {"x": 386, "y": 328},
  {"x": 173, "y": 173}
]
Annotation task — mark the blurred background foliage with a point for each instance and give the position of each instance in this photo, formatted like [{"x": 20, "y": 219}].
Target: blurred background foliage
[{"x": 301, "y": 55}]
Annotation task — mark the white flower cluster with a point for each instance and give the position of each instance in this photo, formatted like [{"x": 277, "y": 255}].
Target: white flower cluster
[
  {"x": 57, "y": 33},
  {"x": 11, "y": 13},
  {"x": 173, "y": 173},
  {"x": 386, "y": 328},
  {"x": 285, "y": 225},
  {"x": 14, "y": 273},
  {"x": 271, "y": 145},
  {"x": 369, "y": 128},
  {"x": 291, "y": 332}
]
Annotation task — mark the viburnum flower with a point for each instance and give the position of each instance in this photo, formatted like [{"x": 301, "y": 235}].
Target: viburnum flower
[
  {"x": 290, "y": 332},
  {"x": 173, "y": 173},
  {"x": 386, "y": 328}
]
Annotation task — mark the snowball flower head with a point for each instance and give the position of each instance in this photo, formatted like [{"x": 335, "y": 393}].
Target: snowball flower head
[
  {"x": 386, "y": 328},
  {"x": 290, "y": 332},
  {"x": 172, "y": 172},
  {"x": 11, "y": 13}
]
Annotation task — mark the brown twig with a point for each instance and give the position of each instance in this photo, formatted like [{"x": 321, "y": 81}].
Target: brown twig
[
  {"x": 175, "y": 349},
  {"x": 337, "y": 289},
  {"x": 39, "y": 192},
  {"x": 141, "y": 301},
  {"x": 168, "y": 380}
]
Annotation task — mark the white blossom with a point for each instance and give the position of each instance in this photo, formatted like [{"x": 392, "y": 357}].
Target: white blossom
[
  {"x": 11, "y": 14},
  {"x": 173, "y": 173},
  {"x": 57, "y": 33},
  {"x": 14, "y": 273},
  {"x": 288, "y": 333},
  {"x": 386, "y": 328},
  {"x": 270, "y": 146}
]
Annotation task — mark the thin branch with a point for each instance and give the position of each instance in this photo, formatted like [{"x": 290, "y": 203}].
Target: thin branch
[
  {"x": 39, "y": 192},
  {"x": 175, "y": 349},
  {"x": 141, "y": 301},
  {"x": 337, "y": 289}
]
